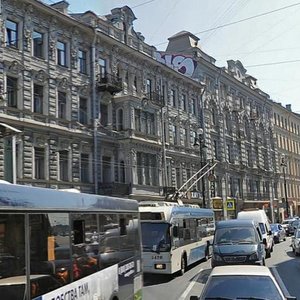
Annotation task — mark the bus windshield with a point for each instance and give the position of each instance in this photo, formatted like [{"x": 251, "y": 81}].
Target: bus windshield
[{"x": 155, "y": 237}]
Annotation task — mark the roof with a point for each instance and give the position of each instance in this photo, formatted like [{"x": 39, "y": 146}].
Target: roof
[
  {"x": 234, "y": 223},
  {"x": 249, "y": 270}
]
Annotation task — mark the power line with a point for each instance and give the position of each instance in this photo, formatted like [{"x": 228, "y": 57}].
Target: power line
[
  {"x": 274, "y": 63},
  {"x": 242, "y": 20}
]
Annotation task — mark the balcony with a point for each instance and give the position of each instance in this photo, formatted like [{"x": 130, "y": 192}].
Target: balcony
[
  {"x": 109, "y": 83},
  {"x": 114, "y": 189},
  {"x": 156, "y": 99}
]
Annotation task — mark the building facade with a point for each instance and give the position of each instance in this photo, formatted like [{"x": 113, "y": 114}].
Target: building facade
[
  {"x": 85, "y": 103},
  {"x": 286, "y": 129},
  {"x": 238, "y": 131}
]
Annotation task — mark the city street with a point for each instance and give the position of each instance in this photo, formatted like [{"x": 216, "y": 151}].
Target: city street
[{"x": 191, "y": 283}]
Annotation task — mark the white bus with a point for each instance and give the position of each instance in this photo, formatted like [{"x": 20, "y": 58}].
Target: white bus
[
  {"x": 174, "y": 236},
  {"x": 58, "y": 245}
]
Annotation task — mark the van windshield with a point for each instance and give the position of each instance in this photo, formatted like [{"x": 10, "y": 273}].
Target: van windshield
[{"x": 235, "y": 235}]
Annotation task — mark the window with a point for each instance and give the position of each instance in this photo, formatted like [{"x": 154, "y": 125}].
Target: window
[
  {"x": 173, "y": 98},
  {"x": 102, "y": 67},
  {"x": 83, "y": 111},
  {"x": 61, "y": 54},
  {"x": 229, "y": 156},
  {"x": 104, "y": 114},
  {"x": 147, "y": 169},
  {"x": 12, "y": 91},
  {"x": 148, "y": 87},
  {"x": 82, "y": 61},
  {"x": 63, "y": 165},
  {"x": 193, "y": 106},
  {"x": 84, "y": 167},
  {"x": 39, "y": 163},
  {"x": 38, "y": 92},
  {"x": 11, "y": 33},
  {"x": 175, "y": 134},
  {"x": 62, "y": 105},
  {"x": 38, "y": 44},
  {"x": 120, "y": 120},
  {"x": 183, "y": 102}
]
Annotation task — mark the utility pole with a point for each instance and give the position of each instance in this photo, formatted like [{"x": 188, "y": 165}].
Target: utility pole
[
  {"x": 284, "y": 165},
  {"x": 199, "y": 141}
]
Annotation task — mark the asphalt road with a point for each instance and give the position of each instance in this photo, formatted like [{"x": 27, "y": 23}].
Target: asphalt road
[{"x": 282, "y": 261}]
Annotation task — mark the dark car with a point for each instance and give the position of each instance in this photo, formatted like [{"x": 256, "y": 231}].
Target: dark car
[
  {"x": 293, "y": 226},
  {"x": 279, "y": 233},
  {"x": 238, "y": 242}
]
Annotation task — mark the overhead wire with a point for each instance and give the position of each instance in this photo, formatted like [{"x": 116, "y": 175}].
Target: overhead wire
[{"x": 242, "y": 20}]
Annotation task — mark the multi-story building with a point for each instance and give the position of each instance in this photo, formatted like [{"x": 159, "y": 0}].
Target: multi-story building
[
  {"x": 287, "y": 133},
  {"x": 46, "y": 96},
  {"x": 238, "y": 127},
  {"x": 86, "y": 105}
]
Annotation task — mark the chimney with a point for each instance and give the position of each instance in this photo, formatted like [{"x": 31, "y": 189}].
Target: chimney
[
  {"x": 61, "y": 6},
  {"x": 288, "y": 107}
]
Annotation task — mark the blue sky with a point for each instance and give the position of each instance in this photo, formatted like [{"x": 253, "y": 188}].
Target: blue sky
[{"x": 264, "y": 36}]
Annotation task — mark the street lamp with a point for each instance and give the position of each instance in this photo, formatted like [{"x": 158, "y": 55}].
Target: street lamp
[
  {"x": 199, "y": 141},
  {"x": 283, "y": 165}
]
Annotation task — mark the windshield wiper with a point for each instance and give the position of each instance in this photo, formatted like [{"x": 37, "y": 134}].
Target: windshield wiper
[
  {"x": 218, "y": 298},
  {"x": 252, "y": 298},
  {"x": 225, "y": 243},
  {"x": 245, "y": 242}
]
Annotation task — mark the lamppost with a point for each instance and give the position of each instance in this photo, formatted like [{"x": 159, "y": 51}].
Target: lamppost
[
  {"x": 199, "y": 141},
  {"x": 284, "y": 165}
]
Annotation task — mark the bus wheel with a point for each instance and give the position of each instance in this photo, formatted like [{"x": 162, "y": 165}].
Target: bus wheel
[{"x": 183, "y": 265}]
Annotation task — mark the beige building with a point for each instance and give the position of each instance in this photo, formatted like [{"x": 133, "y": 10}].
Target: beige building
[{"x": 286, "y": 128}]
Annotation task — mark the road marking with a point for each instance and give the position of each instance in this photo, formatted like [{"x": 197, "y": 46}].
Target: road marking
[
  {"x": 190, "y": 286},
  {"x": 279, "y": 281}
]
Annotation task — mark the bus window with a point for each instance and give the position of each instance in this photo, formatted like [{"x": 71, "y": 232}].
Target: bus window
[
  {"x": 128, "y": 235},
  {"x": 85, "y": 245},
  {"x": 12, "y": 245},
  {"x": 109, "y": 240},
  {"x": 50, "y": 257}
]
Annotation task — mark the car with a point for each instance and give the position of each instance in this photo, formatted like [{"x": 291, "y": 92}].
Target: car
[
  {"x": 238, "y": 242},
  {"x": 293, "y": 226},
  {"x": 296, "y": 242},
  {"x": 13, "y": 288},
  {"x": 285, "y": 225},
  {"x": 244, "y": 282},
  {"x": 278, "y": 232}
]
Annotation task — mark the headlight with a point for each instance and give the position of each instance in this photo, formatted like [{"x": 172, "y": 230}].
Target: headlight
[
  {"x": 216, "y": 257},
  {"x": 253, "y": 256}
]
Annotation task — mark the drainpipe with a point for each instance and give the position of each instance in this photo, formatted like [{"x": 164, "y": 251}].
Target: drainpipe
[{"x": 94, "y": 111}]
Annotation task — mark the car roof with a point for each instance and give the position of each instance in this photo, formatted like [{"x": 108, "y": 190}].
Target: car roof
[
  {"x": 248, "y": 270},
  {"x": 235, "y": 223},
  {"x": 15, "y": 280}
]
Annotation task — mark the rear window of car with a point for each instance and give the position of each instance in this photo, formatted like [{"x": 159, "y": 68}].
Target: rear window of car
[{"x": 241, "y": 287}]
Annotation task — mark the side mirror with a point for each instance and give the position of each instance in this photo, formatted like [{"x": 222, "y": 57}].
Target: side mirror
[
  {"x": 264, "y": 241},
  {"x": 270, "y": 232},
  {"x": 175, "y": 231},
  {"x": 194, "y": 298}
]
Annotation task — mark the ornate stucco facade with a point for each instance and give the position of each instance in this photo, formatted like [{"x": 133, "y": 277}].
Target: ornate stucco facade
[{"x": 86, "y": 103}]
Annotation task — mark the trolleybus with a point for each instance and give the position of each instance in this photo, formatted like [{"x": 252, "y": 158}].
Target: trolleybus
[
  {"x": 174, "y": 236},
  {"x": 58, "y": 245}
]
